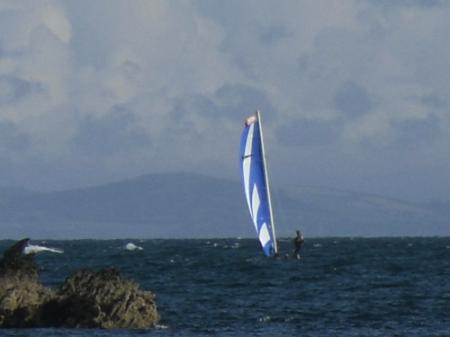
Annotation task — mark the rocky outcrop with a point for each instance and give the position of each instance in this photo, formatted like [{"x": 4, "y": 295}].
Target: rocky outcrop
[
  {"x": 21, "y": 301},
  {"x": 21, "y": 293},
  {"x": 87, "y": 299},
  {"x": 103, "y": 299}
]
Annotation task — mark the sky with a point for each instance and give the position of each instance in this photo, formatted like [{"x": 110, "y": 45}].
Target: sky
[{"x": 355, "y": 95}]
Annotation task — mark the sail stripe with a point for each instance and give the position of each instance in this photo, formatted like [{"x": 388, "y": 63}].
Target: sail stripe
[
  {"x": 246, "y": 162},
  {"x": 255, "y": 206},
  {"x": 264, "y": 236}
]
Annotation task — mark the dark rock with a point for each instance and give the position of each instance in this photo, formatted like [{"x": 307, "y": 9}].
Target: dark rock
[
  {"x": 102, "y": 299},
  {"x": 21, "y": 302},
  {"x": 87, "y": 299},
  {"x": 16, "y": 264},
  {"x": 21, "y": 292}
]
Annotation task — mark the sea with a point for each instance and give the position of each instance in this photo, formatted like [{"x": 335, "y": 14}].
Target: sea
[{"x": 227, "y": 287}]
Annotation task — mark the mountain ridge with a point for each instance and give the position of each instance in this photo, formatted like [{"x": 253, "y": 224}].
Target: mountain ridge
[{"x": 189, "y": 205}]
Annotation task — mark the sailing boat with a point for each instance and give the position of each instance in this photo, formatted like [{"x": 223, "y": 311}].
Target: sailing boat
[{"x": 256, "y": 183}]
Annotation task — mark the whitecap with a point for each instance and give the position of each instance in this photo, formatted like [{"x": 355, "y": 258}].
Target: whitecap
[
  {"x": 30, "y": 249},
  {"x": 131, "y": 246},
  {"x": 161, "y": 327},
  {"x": 264, "y": 319}
]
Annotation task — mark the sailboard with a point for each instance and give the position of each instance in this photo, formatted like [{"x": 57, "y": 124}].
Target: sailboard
[{"x": 255, "y": 182}]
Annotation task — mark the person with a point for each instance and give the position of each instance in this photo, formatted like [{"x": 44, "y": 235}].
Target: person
[{"x": 298, "y": 243}]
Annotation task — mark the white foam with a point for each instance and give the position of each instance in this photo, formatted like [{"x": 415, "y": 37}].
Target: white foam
[
  {"x": 32, "y": 249},
  {"x": 131, "y": 246},
  {"x": 264, "y": 319},
  {"x": 161, "y": 326}
]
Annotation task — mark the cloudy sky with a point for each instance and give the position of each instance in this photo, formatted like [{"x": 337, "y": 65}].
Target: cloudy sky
[{"x": 355, "y": 95}]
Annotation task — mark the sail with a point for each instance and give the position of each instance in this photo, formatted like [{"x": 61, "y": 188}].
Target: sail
[{"x": 256, "y": 184}]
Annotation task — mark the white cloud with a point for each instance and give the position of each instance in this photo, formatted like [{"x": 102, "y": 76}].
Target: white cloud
[{"x": 65, "y": 64}]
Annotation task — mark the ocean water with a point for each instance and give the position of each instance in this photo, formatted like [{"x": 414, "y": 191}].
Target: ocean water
[{"x": 226, "y": 287}]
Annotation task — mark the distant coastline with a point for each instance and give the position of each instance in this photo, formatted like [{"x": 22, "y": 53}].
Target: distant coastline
[{"x": 190, "y": 205}]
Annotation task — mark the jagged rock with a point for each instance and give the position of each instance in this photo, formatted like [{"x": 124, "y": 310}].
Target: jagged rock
[
  {"x": 103, "y": 299},
  {"x": 87, "y": 299},
  {"x": 21, "y": 292},
  {"x": 21, "y": 302}
]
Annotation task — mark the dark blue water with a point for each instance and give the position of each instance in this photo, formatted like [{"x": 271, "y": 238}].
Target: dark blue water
[{"x": 341, "y": 287}]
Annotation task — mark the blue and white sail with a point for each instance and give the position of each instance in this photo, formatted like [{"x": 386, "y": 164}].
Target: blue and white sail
[{"x": 256, "y": 183}]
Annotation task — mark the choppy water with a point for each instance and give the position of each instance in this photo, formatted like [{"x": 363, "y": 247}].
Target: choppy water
[{"x": 341, "y": 287}]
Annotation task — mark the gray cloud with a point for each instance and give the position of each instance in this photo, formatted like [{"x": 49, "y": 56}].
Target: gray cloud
[
  {"x": 14, "y": 89},
  {"x": 407, "y": 3},
  {"x": 273, "y": 34},
  {"x": 12, "y": 139},
  {"x": 434, "y": 102},
  {"x": 231, "y": 103},
  {"x": 309, "y": 133},
  {"x": 352, "y": 78},
  {"x": 115, "y": 132},
  {"x": 237, "y": 99},
  {"x": 352, "y": 100},
  {"x": 419, "y": 132}
]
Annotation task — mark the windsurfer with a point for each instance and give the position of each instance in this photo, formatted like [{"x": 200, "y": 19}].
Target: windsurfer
[{"x": 298, "y": 243}]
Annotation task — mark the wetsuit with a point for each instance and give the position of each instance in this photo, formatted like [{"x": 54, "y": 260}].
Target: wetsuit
[{"x": 298, "y": 243}]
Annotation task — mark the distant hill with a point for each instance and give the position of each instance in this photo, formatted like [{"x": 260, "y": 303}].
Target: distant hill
[
  {"x": 8, "y": 192},
  {"x": 191, "y": 205}
]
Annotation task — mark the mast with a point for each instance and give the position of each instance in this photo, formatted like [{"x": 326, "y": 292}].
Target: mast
[{"x": 266, "y": 177}]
